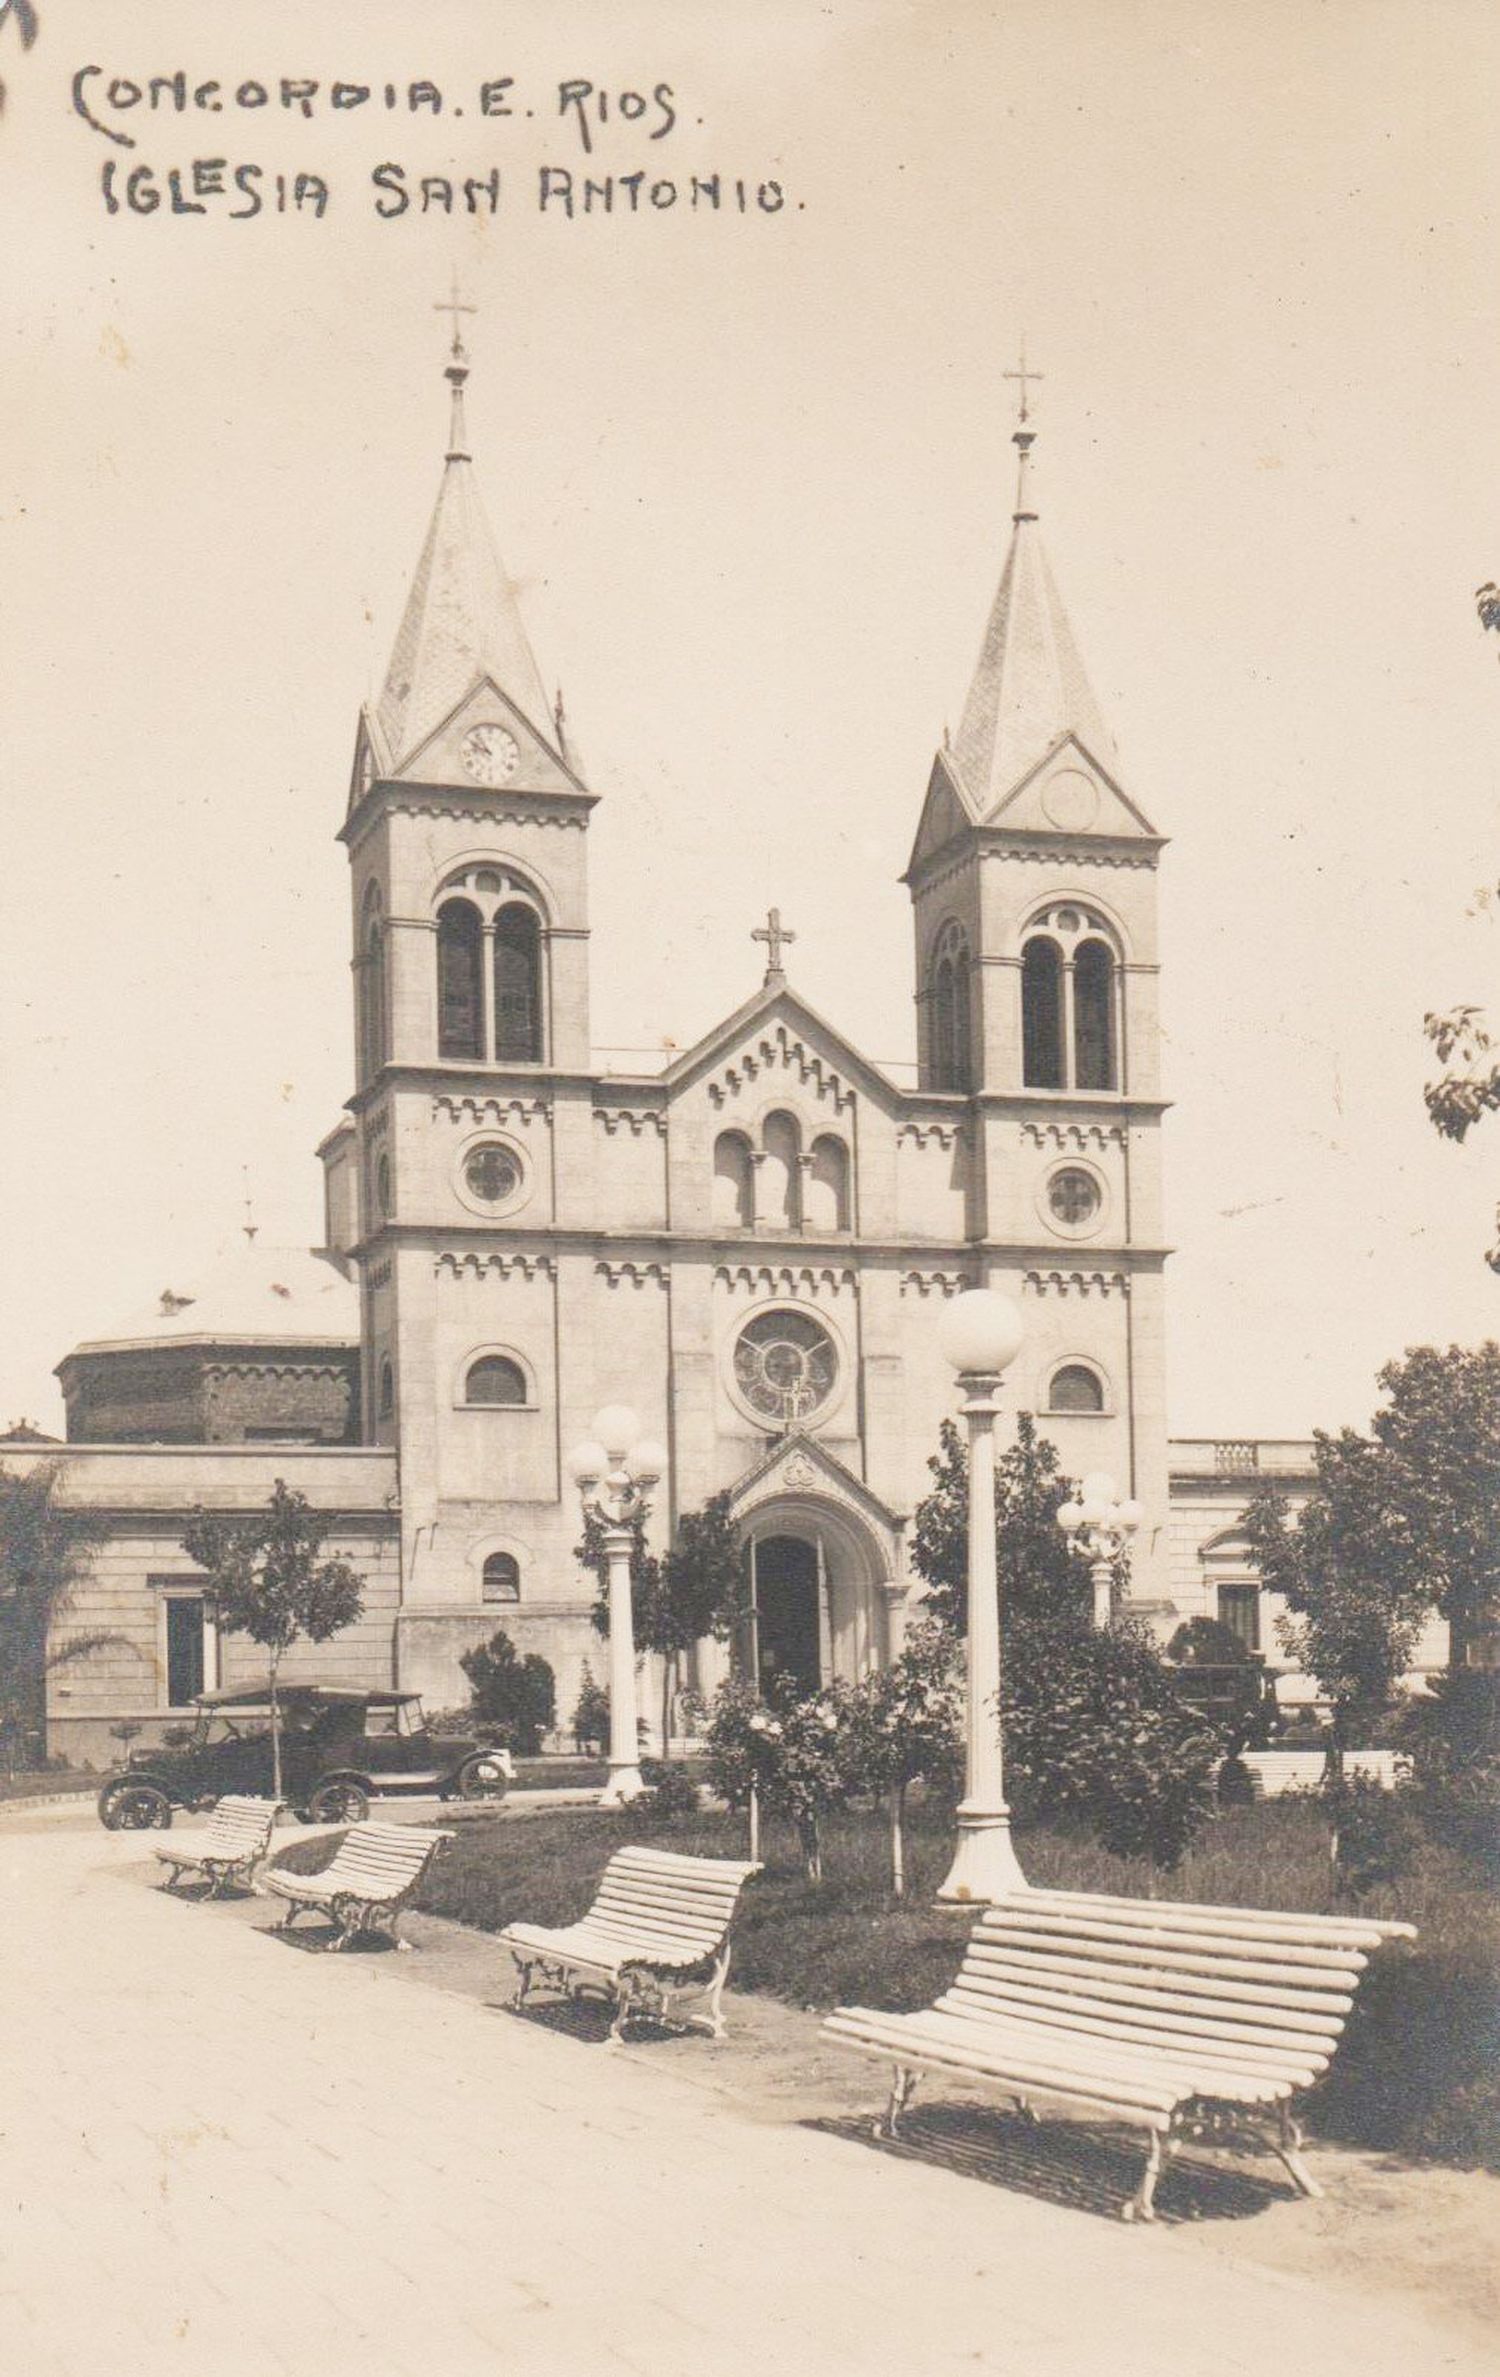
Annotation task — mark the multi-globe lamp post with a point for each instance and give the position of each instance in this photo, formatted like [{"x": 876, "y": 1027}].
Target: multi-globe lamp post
[
  {"x": 615, "y": 1471},
  {"x": 980, "y": 1334},
  {"x": 1098, "y": 1527}
]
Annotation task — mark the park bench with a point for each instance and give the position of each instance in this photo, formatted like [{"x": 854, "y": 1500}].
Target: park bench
[
  {"x": 1185, "y": 2021},
  {"x": 376, "y": 1870},
  {"x": 655, "y": 1940},
  {"x": 229, "y": 1854}
]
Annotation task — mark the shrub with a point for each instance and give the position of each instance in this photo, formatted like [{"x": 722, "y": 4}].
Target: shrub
[
  {"x": 905, "y": 1724},
  {"x": 1096, "y": 1736},
  {"x": 519, "y": 1696},
  {"x": 1377, "y": 1834},
  {"x": 1452, "y": 1736},
  {"x": 670, "y": 1796},
  {"x": 591, "y": 1716}
]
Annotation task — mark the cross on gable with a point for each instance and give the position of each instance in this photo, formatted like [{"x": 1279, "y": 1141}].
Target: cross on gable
[{"x": 775, "y": 936}]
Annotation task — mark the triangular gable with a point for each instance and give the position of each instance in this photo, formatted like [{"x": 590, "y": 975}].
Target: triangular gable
[
  {"x": 1048, "y": 798},
  {"x": 768, "y": 1026},
  {"x": 799, "y": 1464},
  {"x": 437, "y": 758},
  {"x": 947, "y": 812}
]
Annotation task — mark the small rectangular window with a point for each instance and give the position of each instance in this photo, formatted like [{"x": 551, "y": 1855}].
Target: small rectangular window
[
  {"x": 1239, "y": 1610},
  {"x": 186, "y": 1618}
]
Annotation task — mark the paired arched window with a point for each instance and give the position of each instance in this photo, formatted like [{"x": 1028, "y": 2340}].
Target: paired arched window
[
  {"x": 372, "y": 1001},
  {"x": 1069, "y": 1003},
  {"x": 1075, "y": 1387},
  {"x": 500, "y": 1578},
  {"x": 950, "y": 1011},
  {"x": 495, "y": 1379},
  {"x": 491, "y": 983}
]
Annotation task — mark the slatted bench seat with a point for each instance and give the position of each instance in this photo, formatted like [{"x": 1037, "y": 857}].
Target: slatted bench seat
[
  {"x": 376, "y": 1870},
  {"x": 1185, "y": 2021},
  {"x": 655, "y": 1939},
  {"x": 231, "y": 1851}
]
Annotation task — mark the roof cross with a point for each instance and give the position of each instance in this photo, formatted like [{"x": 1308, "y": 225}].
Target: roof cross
[
  {"x": 453, "y": 304},
  {"x": 775, "y": 936},
  {"x": 1023, "y": 375}
]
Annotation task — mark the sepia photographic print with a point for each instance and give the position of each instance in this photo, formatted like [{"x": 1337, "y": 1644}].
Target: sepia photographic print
[{"x": 749, "y": 1390}]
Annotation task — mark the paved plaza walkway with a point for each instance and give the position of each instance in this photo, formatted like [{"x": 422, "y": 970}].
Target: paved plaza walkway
[{"x": 225, "y": 2155}]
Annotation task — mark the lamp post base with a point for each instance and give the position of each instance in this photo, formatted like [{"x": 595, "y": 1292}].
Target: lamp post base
[
  {"x": 625, "y": 1784},
  {"x": 985, "y": 1865}
]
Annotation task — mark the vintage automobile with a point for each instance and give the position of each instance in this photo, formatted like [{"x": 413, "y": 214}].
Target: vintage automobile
[{"x": 339, "y": 1746}]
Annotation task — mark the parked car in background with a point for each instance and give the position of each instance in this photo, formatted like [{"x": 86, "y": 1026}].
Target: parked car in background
[{"x": 340, "y": 1745}]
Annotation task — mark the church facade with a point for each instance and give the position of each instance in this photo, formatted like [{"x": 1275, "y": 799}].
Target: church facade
[{"x": 750, "y": 1247}]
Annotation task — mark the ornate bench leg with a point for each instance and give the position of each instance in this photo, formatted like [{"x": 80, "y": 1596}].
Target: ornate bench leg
[
  {"x": 522, "y": 1988},
  {"x": 625, "y": 2006},
  {"x": 1142, "y": 2205},
  {"x": 712, "y": 2017},
  {"x": 903, "y": 2088},
  {"x": 1288, "y": 2148}
]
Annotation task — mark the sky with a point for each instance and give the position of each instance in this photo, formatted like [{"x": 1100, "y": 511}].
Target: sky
[{"x": 751, "y": 473}]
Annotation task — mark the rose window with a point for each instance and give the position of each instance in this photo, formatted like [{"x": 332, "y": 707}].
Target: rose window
[{"x": 785, "y": 1365}]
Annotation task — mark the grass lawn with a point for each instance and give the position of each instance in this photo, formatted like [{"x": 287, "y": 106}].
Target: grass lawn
[
  {"x": 1419, "y": 2069},
  {"x": 45, "y": 1783}
]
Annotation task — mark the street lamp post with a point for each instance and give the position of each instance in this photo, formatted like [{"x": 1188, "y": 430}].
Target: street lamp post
[
  {"x": 981, "y": 1335},
  {"x": 614, "y": 1472},
  {"x": 1098, "y": 1527}
]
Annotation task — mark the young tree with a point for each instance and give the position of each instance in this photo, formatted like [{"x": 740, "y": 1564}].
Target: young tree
[
  {"x": 694, "y": 1589},
  {"x": 268, "y": 1581},
  {"x": 518, "y": 1693},
  {"x": 1343, "y": 1568},
  {"x": 1401, "y": 1521},
  {"x": 44, "y": 1556},
  {"x": 1037, "y": 1571},
  {"x": 906, "y": 1725}
]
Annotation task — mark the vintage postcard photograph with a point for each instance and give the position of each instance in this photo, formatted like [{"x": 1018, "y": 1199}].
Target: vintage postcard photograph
[{"x": 750, "y": 1334}]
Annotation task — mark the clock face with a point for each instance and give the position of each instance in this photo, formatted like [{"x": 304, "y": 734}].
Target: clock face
[{"x": 490, "y": 754}]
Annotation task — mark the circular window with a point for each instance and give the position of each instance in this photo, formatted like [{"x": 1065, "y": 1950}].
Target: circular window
[
  {"x": 785, "y": 1365},
  {"x": 492, "y": 1174},
  {"x": 1074, "y": 1197}
]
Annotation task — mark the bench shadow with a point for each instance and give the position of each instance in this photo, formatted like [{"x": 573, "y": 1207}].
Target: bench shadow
[
  {"x": 321, "y": 1941},
  {"x": 1084, "y": 2169},
  {"x": 587, "y": 2019}
]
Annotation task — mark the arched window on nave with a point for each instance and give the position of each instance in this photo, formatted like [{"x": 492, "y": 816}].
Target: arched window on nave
[{"x": 734, "y": 1182}]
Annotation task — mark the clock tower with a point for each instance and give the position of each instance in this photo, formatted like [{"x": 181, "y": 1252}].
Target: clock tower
[{"x": 467, "y": 833}]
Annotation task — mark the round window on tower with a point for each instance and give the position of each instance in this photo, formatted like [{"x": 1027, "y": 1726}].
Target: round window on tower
[
  {"x": 1073, "y": 1200},
  {"x": 492, "y": 1177},
  {"x": 785, "y": 1366}
]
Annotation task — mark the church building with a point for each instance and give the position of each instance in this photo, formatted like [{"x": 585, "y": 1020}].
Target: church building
[{"x": 750, "y": 1247}]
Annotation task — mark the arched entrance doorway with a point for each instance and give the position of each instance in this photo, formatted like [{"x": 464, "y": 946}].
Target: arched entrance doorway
[{"x": 787, "y": 1600}]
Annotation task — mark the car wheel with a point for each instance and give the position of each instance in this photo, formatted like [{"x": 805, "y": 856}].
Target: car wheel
[
  {"x": 339, "y": 1802},
  {"x": 135, "y": 1807},
  {"x": 482, "y": 1778}
]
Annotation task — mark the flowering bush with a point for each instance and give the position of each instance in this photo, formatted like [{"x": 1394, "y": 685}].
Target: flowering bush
[{"x": 793, "y": 1755}]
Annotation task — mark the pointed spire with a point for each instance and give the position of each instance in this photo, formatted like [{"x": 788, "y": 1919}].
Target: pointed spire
[
  {"x": 462, "y": 621},
  {"x": 1029, "y": 687}
]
